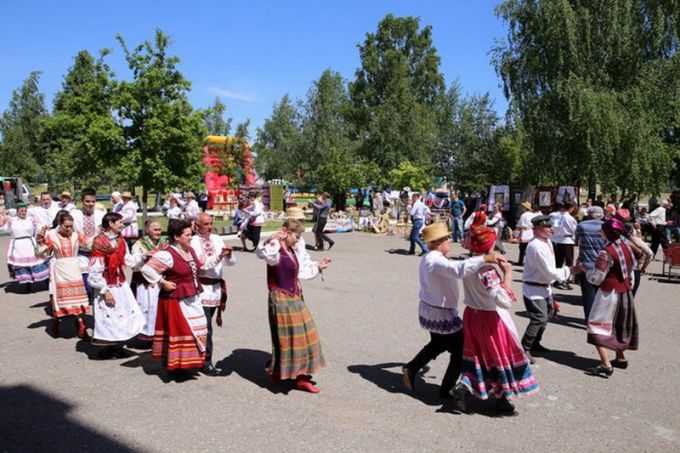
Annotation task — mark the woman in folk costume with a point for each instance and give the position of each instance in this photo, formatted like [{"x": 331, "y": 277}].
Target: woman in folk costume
[
  {"x": 479, "y": 219},
  {"x": 296, "y": 350},
  {"x": 66, "y": 282},
  {"x": 494, "y": 363},
  {"x": 181, "y": 328},
  {"x": 147, "y": 293},
  {"x": 612, "y": 323},
  {"x": 117, "y": 316},
  {"x": 23, "y": 265}
]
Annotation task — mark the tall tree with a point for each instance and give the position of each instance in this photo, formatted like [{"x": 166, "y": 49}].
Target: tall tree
[
  {"x": 162, "y": 131},
  {"x": 21, "y": 149},
  {"x": 82, "y": 135},
  {"x": 593, "y": 84},
  {"x": 396, "y": 93},
  {"x": 243, "y": 130},
  {"x": 214, "y": 120},
  {"x": 278, "y": 142}
]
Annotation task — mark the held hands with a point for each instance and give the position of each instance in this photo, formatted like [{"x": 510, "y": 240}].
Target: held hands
[
  {"x": 226, "y": 252},
  {"x": 167, "y": 285},
  {"x": 40, "y": 237},
  {"x": 578, "y": 269},
  {"x": 109, "y": 300},
  {"x": 324, "y": 263}
]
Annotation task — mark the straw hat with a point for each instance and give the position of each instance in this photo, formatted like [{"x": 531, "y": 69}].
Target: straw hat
[
  {"x": 66, "y": 193},
  {"x": 295, "y": 213},
  {"x": 190, "y": 195},
  {"x": 435, "y": 232},
  {"x": 126, "y": 194},
  {"x": 525, "y": 205}
]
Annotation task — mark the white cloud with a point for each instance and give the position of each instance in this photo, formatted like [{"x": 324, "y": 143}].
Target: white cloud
[{"x": 229, "y": 94}]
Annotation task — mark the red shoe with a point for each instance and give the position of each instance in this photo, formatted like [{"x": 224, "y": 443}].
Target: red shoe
[
  {"x": 303, "y": 383},
  {"x": 82, "y": 330}
]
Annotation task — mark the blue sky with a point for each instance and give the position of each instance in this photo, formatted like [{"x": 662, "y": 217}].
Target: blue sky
[{"x": 248, "y": 53}]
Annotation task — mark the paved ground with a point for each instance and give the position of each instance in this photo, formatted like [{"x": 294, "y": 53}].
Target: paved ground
[{"x": 53, "y": 396}]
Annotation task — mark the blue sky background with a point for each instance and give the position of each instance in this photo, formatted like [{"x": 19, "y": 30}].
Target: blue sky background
[{"x": 248, "y": 53}]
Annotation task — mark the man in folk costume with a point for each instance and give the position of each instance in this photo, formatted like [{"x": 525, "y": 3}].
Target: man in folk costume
[
  {"x": 539, "y": 273},
  {"x": 213, "y": 254},
  {"x": 525, "y": 228},
  {"x": 117, "y": 317},
  {"x": 66, "y": 203},
  {"x": 44, "y": 213},
  {"x": 438, "y": 307},
  {"x": 87, "y": 222}
]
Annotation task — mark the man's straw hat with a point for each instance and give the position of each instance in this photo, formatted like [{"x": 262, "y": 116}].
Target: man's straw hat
[{"x": 435, "y": 232}]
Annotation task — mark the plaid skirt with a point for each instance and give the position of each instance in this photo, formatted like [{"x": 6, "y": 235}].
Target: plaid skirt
[
  {"x": 612, "y": 322},
  {"x": 296, "y": 349}
]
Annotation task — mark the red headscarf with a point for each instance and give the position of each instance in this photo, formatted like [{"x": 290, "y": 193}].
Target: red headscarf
[
  {"x": 479, "y": 220},
  {"x": 482, "y": 239}
]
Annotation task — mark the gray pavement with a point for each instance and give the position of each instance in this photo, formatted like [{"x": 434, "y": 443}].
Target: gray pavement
[{"x": 53, "y": 396}]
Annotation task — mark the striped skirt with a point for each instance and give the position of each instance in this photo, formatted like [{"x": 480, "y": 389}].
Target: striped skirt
[
  {"x": 30, "y": 274},
  {"x": 494, "y": 363},
  {"x": 296, "y": 349},
  {"x": 69, "y": 296},
  {"x": 180, "y": 335}
]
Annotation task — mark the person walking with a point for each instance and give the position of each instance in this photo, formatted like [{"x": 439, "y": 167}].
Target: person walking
[
  {"x": 526, "y": 232},
  {"x": 322, "y": 207},
  {"x": 418, "y": 212},
  {"x": 590, "y": 242},
  {"x": 438, "y": 306}
]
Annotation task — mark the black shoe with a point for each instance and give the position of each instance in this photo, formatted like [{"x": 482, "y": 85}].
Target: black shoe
[
  {"x": 330, "y": 246},
  {"x": 600, "y": 370},
  {"x": 538, "y": 347},
  {"x": 105, "y": 354},
  {"x": 621, "y": 364},
  {"x": 210, "y": 370},
  {"x": 408, "y": 378},
  {"x": 458, "y": 395},
  {"x": 505, "y": 407},
  {"x": 529, "y": 357},
  {"x": 121, "y": 353}
]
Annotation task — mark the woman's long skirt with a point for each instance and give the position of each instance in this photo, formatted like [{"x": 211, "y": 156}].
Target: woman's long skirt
[
  {"x": 612, "y": 322},
  {"x": 181, "y": 333},
  {"x": 494, "y": 363},
  {"x": 69, "y": 295},
  {"x": 296, "y": 349}
]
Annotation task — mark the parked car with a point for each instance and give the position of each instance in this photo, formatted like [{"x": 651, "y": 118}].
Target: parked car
[{"x": 15, "y": 191}]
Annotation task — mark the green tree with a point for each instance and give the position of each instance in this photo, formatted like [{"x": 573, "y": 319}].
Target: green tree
[
  {"x": 162, "y": 131},
  {"x": 21, "y": 149},
  {"x": 278, "y": 142},
  {"x": 243, "y": 130},
  {"x": 593, "y": 84},
  {"x": 82, "y": 136},
  {"x": 407, "y": 174},
  {"x": 213, "y": 118},
  {"x": 396, "y": 93}
]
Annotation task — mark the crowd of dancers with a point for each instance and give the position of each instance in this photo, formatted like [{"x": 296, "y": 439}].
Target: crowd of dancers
[{"x": 177, "y": 289}]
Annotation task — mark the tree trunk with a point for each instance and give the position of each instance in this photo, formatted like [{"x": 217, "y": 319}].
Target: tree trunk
[{"x": 145, "y": 198}]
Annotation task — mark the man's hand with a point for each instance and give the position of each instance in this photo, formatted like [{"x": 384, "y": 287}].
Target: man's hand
[
  {"x": 324, "y": 263},
  {"x": 168, "y": 286},
  {"x": 491, "y": 257}
]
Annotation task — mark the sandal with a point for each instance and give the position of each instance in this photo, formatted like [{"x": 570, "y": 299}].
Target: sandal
[{"x": 600, "y": 370}]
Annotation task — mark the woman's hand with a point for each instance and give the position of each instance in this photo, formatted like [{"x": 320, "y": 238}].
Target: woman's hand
[
  {"x": 505, "y": 265},
  {"x": 491, "y": 257},
  {"x": 109, "y": 300},
  {"x": 324, "y": 263},
  {"x": 168, "y": 285}
]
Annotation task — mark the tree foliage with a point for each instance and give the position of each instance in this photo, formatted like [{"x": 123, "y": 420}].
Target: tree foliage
[
  {"x": 22, "y": 152},
  {"x": 396, "y": 92},
  {"x": 213, "y": 118},
  {"x": 595, "y": 86},
  {"x": 163, "y": 133},
  {"x": 278, "y": 142},
  {"x": 82, "y": 136},
  {"x": 408, "y": 175}
]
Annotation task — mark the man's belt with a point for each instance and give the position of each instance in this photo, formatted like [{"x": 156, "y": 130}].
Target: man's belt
[
  {"x": 223, "y": 294},
  {"x": 542, "y": 285}
]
